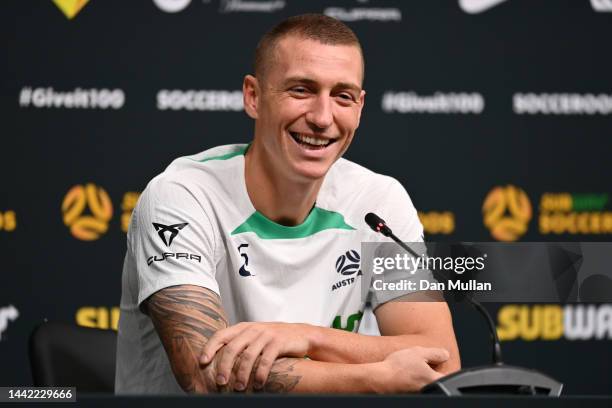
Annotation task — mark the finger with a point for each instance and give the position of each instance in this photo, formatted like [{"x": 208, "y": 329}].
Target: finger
[
  {"x": 430, "y": 376},
  {"x": 435, "y": 355},
  {"x": 230, "y": 353},
  {"x": 218, "y": 340},
  {"x": 268, "y": 357},
  {"x": 434, "y": 375},
  {"x": 247, "y": 361}
]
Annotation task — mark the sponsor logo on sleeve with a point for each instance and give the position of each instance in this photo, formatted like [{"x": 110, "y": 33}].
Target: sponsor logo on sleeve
[
  {"x": 167, "y": 234},
  {"x": 172, "y": 231}
]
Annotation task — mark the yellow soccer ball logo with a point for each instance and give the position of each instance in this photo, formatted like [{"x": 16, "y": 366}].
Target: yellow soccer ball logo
[
  {"x": 87, "y": 227},
  {"x": 507, "y": 212}
]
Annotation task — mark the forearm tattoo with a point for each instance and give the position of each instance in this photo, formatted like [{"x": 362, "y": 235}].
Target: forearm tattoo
[
  {"x": 185, "y": 317},
  {"x": 282, "y": 378}
]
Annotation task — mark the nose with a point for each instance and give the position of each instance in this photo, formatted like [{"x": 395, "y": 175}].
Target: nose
[{"x": 320, "y": 114}]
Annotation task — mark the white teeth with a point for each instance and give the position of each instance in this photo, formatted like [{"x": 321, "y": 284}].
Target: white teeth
[{"x": 312, "y": 140}]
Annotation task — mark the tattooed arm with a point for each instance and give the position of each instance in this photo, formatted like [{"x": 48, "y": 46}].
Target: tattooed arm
[{"x": 186, "y": 316}]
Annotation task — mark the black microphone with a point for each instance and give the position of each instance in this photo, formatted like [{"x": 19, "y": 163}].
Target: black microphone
[
  {"x": 495, "y": 379},
  {"x": 379, "y": 225}
]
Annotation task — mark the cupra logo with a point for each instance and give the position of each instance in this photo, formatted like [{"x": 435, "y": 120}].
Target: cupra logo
[{"x": 172, "y": 229}]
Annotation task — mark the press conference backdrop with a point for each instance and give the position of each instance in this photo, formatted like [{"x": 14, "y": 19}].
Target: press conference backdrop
[{"x": 495, "y": 115}]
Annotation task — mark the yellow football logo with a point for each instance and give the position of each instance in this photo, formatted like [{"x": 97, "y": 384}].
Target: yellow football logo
[
  {"x": 87, "y": 227},
  {"x": 507, "y": 212}
]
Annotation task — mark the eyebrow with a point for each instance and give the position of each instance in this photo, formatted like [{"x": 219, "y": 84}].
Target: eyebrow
[{"x": 308, "y": 81}]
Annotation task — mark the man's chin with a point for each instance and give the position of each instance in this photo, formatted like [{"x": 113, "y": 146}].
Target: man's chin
[{"x": 311, "y": 172}]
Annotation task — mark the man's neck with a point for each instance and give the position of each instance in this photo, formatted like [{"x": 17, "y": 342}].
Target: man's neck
[{"x": 273, "y": 194}]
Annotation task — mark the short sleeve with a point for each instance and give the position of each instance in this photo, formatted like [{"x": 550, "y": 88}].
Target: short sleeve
[
  {"x": 171, "y": 239},
  {"x": 401, "y": 216}
]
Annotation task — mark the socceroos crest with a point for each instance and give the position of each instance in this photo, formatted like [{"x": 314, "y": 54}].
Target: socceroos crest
[{"x": 347, "y": 265}]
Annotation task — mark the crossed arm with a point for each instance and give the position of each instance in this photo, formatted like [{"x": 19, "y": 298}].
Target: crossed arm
[
  {"x": 185, "y": 317},
  {"x": 269, "y": 357}
]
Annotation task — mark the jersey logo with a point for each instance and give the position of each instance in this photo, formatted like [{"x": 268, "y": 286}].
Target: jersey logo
[
  {"x": 172, "y": 229},
  {"x": 346, "y": 265},
  {"x": 351, "y": 323},
  {"x": 243, "y": 270}
]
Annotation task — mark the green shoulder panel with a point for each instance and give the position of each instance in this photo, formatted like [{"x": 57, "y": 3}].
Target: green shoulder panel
[{"x": 239, "y": 152}]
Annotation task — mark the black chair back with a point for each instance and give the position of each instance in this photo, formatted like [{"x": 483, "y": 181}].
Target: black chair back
[{"x": 63, "y": 355}]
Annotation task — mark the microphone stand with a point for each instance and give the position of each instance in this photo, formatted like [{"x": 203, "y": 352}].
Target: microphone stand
[{"x": 497, "y": 378}]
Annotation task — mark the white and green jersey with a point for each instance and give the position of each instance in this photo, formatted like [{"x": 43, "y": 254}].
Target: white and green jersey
[{"x": 195, "y": 225}]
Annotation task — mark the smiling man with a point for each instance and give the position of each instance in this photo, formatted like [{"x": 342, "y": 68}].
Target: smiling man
[{"x": 243, "y": 260}]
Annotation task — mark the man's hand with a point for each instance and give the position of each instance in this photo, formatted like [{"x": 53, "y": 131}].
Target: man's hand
[
  {"x": 410, "y": 369},
  {"x": 244, "y": 345}
]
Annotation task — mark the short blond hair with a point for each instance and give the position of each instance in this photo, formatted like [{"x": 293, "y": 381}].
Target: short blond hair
[{"x": 317, "y": 27}]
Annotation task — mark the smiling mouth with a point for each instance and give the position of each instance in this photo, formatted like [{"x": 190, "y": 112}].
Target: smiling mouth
[{"x": 310, "y": 142}]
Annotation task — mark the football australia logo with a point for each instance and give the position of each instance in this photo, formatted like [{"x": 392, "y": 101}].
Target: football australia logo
[
  {"x": 347, "y": 265},
  {"x": 83, "y": 226},
  {"x": 506, "y": 212}
]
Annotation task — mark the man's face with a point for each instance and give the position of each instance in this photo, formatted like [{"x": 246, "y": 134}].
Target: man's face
[{"x": 309, "y": 106}]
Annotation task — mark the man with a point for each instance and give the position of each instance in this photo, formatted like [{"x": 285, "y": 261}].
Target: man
[{"x": 243, "y": 234}]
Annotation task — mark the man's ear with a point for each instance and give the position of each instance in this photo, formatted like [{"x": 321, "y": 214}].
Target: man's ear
[
  {"x": 361, "y": 103},
  {"x": 250, "y": 94}
]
